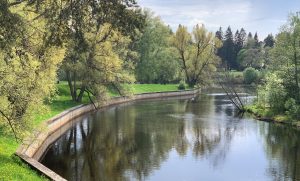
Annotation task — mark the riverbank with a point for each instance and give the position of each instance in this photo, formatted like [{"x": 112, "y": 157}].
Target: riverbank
[
  {"x": 11, "y": 168},
  {"x": 267, "y": 116}
]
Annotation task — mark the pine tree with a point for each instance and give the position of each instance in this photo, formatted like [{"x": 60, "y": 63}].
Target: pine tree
[
  {"x": 220, "y": 51},
  {"x": 242, "y": 37},
  {"x": 250, "y": 35},
  {"x": 256, "y": 40},
  {"x": 228, "y": 48},
  {"x": 269, "y": 41},
  {"x": 219, "y": 34}
]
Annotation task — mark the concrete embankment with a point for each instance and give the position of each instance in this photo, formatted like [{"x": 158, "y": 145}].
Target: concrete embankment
[{"x": 34, "y": 147}]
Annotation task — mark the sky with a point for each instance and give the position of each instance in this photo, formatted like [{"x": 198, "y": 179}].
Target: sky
[{"x": 261, "y": 16}]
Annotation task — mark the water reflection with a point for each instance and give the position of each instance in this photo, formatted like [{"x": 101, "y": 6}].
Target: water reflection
[{"x": 177, "y": 139}]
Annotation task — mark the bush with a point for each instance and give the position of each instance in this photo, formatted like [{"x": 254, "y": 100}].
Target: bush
[
  {"x": 292, "y": 109},
  {"x": 272, "y": 94},
  {"x": 181, "y": 85},
  {"x": 250, "y": 75}
]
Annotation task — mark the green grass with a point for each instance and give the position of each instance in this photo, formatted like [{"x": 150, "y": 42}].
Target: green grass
[
  {"x": 11, "y": 168},
  {"x": 146, "y": 88}
]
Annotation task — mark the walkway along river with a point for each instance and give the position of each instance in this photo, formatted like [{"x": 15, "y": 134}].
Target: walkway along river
[{"x": 187, "y": 138}]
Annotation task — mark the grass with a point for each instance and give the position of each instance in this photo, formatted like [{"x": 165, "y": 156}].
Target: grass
[
  {"x": 268, "y": 114},
  {"x": 12, "y": 168},
  {"x": 146, "y": 88}
]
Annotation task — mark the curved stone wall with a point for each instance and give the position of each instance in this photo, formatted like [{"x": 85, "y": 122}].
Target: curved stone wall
[{"x": 33, "y": 149}]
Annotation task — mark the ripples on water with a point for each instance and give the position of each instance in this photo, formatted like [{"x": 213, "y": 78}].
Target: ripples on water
[{"x": 187, "y": 138}]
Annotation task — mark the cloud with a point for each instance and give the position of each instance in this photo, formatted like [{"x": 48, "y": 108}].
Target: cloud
[{"x": 253, "y": 15}]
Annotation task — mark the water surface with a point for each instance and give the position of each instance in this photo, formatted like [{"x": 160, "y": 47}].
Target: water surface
[{"x": 174, "y": 139}]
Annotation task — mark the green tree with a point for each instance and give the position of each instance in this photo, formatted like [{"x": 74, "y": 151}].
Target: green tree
[
  {"x": 197, "y": 51},
  {"x": 157, "y": 58},
  {"x": 28, "y": 66},
  {"x": 97, "y": 34},
  {"x": 228, "y": 47},
  {"x": 269, "y": 41}
]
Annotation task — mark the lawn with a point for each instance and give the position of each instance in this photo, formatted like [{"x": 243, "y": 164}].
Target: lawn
[{"x": 11, "y": 168}]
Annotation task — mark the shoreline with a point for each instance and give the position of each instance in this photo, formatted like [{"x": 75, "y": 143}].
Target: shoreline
[
  {"x": 273, "y": 120},
  {"x": 31, "y": 151}
]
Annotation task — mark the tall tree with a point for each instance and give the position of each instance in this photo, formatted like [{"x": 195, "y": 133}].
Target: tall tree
[
  {"x": 229, "y": 53},
  {"x": 157, "y": 63},
  {"x": 220, "y": 50},
  {"x": 95, "y": 32},
  {"x": 197, "y": 53},
  {"x": 28, "y": 66},
  {"x": 269, "y": 41},
  {"x": 256, "y": 40}
]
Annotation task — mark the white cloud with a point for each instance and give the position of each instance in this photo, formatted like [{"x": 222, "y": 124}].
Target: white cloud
[{"x": 253, "y": 15}]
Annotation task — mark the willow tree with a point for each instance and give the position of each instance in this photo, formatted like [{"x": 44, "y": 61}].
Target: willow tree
[
  {"x": 27, "y": 66},
  {"x": 197, "y": 52},
  {"x": 95, "y": 33}
]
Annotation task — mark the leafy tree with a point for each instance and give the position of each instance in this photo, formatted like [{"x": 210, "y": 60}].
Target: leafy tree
[
  {"x": 28, "y": 66},
  {"x": 157, "y": 58},
  {"x": 252, "y": 57},
  {"x": 197, "y": 51},
  {"x": 282, "y": 84},
  {"x": 97, "y": 34}
]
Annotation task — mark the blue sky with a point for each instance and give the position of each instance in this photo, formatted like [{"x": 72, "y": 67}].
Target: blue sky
[{"x": 262, "y": 16}]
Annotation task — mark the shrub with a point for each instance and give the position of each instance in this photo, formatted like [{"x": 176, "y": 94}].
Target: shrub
[
  {"x": 181, "y": 85},
  {"x": 250, "y": 75},
  {"x": 292, "y": 109},
  {"x": 273, "y": 93}
]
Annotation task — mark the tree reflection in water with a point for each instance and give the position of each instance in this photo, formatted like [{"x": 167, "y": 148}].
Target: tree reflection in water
[{"x": 131, "y": 141}]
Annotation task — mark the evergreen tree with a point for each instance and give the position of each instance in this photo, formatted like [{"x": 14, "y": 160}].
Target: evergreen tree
[
  {"x": 219, "y": 34},
  {"x": 220, "y": 50},
  {"x": 250, "y": 35},
  {"x": 242, "y": 37},
  {"x": 256, "y": 40},
  {"x": 269, "y": 41},
  {"x": 228, "y": 48}
]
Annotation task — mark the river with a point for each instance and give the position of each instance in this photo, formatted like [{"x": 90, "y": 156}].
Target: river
[{"x": 178, "y": 139}]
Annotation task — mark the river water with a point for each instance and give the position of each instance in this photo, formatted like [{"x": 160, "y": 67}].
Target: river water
[{"x": 177, "y": 139}]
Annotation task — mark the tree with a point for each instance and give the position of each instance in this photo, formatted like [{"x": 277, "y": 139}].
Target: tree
[
  {"x": 281, "y": 90},
  {"x": 228, "y": 47},
  {"x": 28, "y": 66},
  {"x": 97, "y": 34},
  {"x": 252, "y": 57},
  {"x": 256, "y": 40},
  {"x": 157, "y": 63},
  {"x": 220, "y": 50},
  {"x": 197, "y": 51},
  {"x": 269, "y": 41}
]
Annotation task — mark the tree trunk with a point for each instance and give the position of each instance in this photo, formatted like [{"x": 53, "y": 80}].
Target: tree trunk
[
  {"x": 72, "y": 91},
  {"x": 80, "y": 95}
]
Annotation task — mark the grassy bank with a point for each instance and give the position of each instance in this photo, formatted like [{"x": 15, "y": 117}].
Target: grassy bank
[
  {"x": 265, "y": 114},
  {"x": 11, "y": 168}
]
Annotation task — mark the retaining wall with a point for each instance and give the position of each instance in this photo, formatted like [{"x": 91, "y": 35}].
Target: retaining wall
[{"x": 33, "y": 149}]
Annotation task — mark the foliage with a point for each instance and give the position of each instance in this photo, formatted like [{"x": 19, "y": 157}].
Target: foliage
[
  {"x": 197, "y": 52},
  {"x": 181, "y": 85},
  {"x": 269, "y": 41},
  {"x": 272, "y": 94},
  {"x": 27, "y": 68},
  {"x": 250, "y": 75},
  {"x": 292, "y": 109},
  {"x": 157, "y": 62},
  {"x": 252, "y": 57}
]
